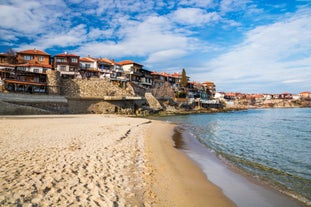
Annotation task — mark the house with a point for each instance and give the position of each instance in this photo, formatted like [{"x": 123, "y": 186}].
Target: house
[
  {"x": 174, "y": 79},
  {"x": 286, "y": 95},
  {"x": 105, "y": 67},
  {"x": 32, "y": 61},
  {"x": 67, "y": 64},
  {"x": 305, "y": 95},
  {"x": 88, "y": 67},
  {"x": 111, "y": 69},
  {"x": 146, "y": 79},
  {"x": 33, "y": 56},
  {"x": 4, "y": 58},
  {"x": 231, "y": 95},
  {"x": 6, "y": 69},
  {"x": 29, "y": 72},
  {"x": 210, "y": 87},
  {"x": 159, "y": 78},
  {"x": 219, "y": 95},
  {"x": 132, "y": 70},
  {"x": 136, "y": 73}
]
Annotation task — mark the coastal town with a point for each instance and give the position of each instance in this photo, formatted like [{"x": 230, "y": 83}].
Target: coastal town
[{"x": 35, "y": 72}]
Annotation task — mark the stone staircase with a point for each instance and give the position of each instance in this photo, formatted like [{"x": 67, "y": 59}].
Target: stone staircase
[{"x": 153, "y": 102}]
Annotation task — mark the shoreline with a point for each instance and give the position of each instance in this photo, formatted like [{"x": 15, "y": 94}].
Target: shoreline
[
  {"x": 98, "y": 160},
  {"x": 254, "y": 193},
  {"x": 109, "y": 160},
  {"x": 177, "y": 180}
]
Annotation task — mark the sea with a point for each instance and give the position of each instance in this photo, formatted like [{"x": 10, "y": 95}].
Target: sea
[{"x": 255, "y": 156}]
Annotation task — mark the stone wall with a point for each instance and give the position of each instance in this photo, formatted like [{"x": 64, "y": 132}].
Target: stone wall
[
  {"x": 79, "y": 106},
  {"x": 95, "y": 88},
  {"x": 137, "y": 89},
  {"x": 153, "y": 102},
  {"x": 16, "y": 109},
  {"x": 164, "y": 91},
  {"x": 53, "y": 82}
]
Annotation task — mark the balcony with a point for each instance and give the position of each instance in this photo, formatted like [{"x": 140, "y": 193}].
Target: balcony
[
  {"x": 105, "y": 70},
  {"x": 88, "y": 68}
]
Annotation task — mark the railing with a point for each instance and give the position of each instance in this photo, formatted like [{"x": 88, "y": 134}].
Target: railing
[
  {"x": 87, "y": 68},
  {"x": 146, "y": 83}
]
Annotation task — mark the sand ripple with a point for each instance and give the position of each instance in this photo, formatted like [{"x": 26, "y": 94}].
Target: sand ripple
[{"x": 96, "y": 161}]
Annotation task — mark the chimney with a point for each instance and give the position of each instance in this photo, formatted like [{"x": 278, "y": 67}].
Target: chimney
[{"x": 65, "y": 53}]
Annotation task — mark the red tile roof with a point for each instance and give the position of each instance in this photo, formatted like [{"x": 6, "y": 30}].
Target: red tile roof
[
  {"x": 176, "y": 74},
  {"x": 113, "y": 62},
  {"x": 106, "y": 60},
  {"x": 128, "y": 62},
  {"x": 66, "y": 55},
  {"x": 161, "y": 74},
  {"x": 305, "y": 92},
  {"x": 208, "y": 83},
  {"x": 86, "y": 60},
  {"x": 33, "y": 52}
]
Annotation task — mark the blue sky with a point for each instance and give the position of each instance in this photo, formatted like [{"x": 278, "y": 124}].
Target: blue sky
[{"x": 261, "y": 46}]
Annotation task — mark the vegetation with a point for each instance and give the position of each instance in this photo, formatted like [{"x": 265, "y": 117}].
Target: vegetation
[
  {"x": 181, "y": 94},
  {"x": 184, "y": 80},
  {"x": 11, "y": 56}
]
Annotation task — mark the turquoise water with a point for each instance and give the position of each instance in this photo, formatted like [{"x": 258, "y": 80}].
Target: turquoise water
[{"x": 273, "y": 145}]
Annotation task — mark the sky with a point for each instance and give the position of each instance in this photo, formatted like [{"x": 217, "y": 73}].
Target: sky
[{"x": 248, "y": 46}]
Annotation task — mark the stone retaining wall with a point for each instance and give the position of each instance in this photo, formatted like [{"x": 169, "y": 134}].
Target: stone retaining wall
[
  {"x": 53, "y": 82},
  {"x": 95, "y": 88},
  {"x": 79, "y": 106}
]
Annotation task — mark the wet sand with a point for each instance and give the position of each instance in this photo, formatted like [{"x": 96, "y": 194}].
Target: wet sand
[
  {"x": 242, "y": 189},
  {"x": 176, "y": 180},
  {"x": 97, "y": 160}
]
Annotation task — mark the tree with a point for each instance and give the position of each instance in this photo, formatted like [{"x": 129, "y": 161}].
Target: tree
[
  {"x": 184, "y": 80},
  {"x": 11, "y": 56}
]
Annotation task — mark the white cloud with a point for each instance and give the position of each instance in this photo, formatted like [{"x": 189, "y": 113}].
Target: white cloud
[
  {"x": 272, "y": 54},
  {"x": 232, "y": 5},
  {"x": 198, "y": 3},
  {"x": 30, "y": 18},
  {"x": 194, "y": 16},
  {"x": 9, "y": 35},
  {"x": 165, "y": 55},
  {"x": 75, "y": 36},
  {"x": 155, "y": 38},
  {"x": 96, "y": 33},
  {"x": 293, "y": 81}
]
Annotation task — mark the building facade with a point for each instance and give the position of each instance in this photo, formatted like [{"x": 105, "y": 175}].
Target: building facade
[{"x": 67, "y": 64}]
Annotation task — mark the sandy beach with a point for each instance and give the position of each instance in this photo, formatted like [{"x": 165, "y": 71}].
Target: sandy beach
[{"x": 97, "y": 160}]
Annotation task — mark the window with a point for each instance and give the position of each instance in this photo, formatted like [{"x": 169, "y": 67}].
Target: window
[
  {"x": 36, "y": 70},
  {"x": 21, "y": 68},
  {"x": 74, "y": 60},
  {"x": 28, "y": 57},
  {"x": 60, "y": 60},
  {"x": 62, "y": 68},
  {"x": 41, "y": 58},
  {"x": 87, "y": 66}
]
